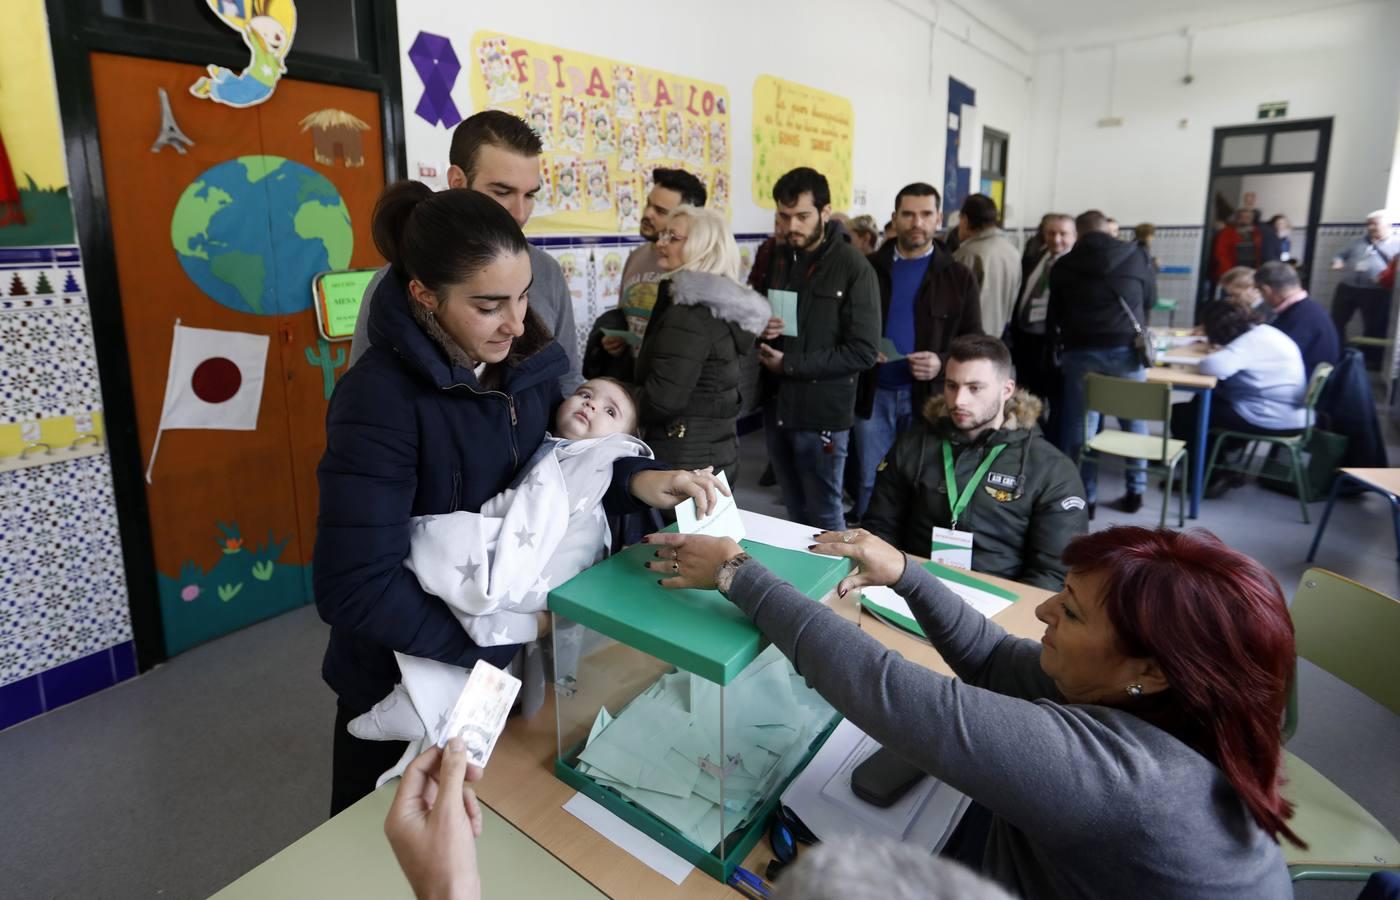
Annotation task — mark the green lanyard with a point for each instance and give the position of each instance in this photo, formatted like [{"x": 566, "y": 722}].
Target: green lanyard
[{"x": 958, "y": 502}]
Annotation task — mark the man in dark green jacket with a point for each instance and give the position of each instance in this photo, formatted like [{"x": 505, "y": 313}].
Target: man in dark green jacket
[
  {"x": 810, "y": 384},
  {"x": 1020, "y": 498}
]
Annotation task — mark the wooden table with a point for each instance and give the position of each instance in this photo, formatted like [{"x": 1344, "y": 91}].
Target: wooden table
[
  {"x": 1184, "y": 378},
  {"x": 521, "y": 789},
  {"x": 1385, "y": 482}
]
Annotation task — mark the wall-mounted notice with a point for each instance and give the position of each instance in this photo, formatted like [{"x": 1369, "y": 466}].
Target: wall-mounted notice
[
  {"x": 795, "y": 125},
  {"x": 606, "y": 125}
]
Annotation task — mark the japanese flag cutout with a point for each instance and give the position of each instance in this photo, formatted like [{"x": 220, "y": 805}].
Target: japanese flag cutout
[{"x": 215, "y": 382}]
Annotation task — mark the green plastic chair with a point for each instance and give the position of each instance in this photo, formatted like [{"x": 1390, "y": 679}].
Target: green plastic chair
[
  {"x": 1294, "y": 444},
  {"x": 1168, "y": 306},
  {"x": 1144, "y": 401},
  {"x": 1350, "y": 631}
]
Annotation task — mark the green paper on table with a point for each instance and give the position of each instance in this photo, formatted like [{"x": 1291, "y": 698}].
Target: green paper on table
[
  {"x": 784, "y": 304},
  {"x": 623, "y": 334},
  {"x": 891, "y": 352}
]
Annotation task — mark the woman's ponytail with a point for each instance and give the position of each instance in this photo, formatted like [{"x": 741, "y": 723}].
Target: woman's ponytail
[{"x": 391, "y": 217}]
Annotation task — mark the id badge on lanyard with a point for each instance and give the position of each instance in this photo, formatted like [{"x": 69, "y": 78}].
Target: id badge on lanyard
[{"x": 950, "y": 546}]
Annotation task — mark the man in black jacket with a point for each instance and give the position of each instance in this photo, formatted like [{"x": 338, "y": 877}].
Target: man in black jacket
[
  {"x": 1100, "y": 293},
  {"x": 811, "y": 374}
]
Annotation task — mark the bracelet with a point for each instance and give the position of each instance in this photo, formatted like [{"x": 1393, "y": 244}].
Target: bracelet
[{"x": 724, "y": 575}]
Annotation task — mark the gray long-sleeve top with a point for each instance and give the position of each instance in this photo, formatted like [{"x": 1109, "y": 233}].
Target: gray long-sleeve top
[{"x": 1089, "y": 801}]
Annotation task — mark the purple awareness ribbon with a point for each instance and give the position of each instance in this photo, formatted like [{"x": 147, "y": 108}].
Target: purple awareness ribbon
[{"x": 437, "y": 66}]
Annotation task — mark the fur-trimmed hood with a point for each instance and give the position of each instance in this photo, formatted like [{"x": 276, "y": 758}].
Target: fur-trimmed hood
[
  {"x": 727, "y": 300},
  {"x": 1022, "y": 411}
]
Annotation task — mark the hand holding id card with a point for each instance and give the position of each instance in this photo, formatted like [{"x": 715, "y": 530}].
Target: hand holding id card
[{"x": 480, "y": 712}]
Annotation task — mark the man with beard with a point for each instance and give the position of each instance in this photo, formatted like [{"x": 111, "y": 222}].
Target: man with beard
[
  {"x": 811, "y": 373},
  {"x": 926, "y": 299},
  {"x": 976, "y": 464}
]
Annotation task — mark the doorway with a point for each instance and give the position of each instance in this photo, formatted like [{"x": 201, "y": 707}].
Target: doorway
[{"x": 1264, "y": 199}]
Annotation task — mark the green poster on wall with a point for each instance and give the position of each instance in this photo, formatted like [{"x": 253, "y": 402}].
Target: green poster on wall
[{"x": 338, "y": 296}]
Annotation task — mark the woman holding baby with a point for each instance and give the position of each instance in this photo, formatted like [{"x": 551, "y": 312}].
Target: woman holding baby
[{"x": 441, "y": 414}]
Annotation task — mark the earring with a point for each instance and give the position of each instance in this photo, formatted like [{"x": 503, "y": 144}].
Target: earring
[{"x": 1134, "y": 690}]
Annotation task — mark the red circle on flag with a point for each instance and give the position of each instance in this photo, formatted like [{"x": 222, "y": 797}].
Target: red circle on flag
[{"x": 216, "y": 380}]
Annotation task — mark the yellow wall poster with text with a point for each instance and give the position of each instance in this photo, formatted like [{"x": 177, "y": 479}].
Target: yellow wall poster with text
[
  {"x": 606, "y": 126},
  {"x": 795, "y": 125}
]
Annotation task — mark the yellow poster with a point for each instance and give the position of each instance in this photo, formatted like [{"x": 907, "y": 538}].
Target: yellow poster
[
  {"x": 606, "y": 125},
  {"x": 795, "y": 125}
]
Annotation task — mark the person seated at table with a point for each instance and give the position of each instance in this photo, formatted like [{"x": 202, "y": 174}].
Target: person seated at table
[
  {"x": 1261, "y": 387},
  {"x": 1297, "y": 315},
  {"x": 977, "y": 462},
  {"x": 1238, "y": 284},
  {"x": 1134, "y": 751}
]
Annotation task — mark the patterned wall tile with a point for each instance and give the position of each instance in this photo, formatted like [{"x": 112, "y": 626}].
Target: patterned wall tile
[{"x": 62, "y": 583}]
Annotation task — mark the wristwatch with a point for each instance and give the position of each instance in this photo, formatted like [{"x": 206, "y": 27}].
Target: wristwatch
[{"x": 724, "y": 575}]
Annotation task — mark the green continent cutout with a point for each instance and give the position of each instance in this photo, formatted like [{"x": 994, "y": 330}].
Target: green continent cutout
[
  {"x": 193, "y": 213},
  {"x": 259, "y": 167},
  {"x": 245, "y": 272},
  {"x": 313, "y": 186},
  {"x": 331, "y": 226}
]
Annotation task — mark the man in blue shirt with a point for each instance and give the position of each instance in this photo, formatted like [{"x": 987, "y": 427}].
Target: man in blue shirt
[
  {"x": 927, "y": 299},
  {"x": 1297, "y": 315}
]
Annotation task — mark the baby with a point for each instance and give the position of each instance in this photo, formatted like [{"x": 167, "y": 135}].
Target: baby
[{"x": 495, "y": 568}]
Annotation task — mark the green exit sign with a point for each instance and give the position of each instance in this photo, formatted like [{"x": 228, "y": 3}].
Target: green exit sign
[{"x": 1273, "y": 110}]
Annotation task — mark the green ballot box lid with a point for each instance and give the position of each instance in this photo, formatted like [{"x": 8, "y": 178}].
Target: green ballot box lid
[{"x": 697, "y": 631}]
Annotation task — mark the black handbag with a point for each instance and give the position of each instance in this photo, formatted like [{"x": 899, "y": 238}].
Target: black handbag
[{"x": 1144, "y": 341}]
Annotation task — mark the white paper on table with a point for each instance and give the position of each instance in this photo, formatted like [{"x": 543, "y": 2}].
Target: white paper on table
[
  {"x": 723, "y": 521},
  {"x": 898, "y": 816},
  {"x": 831, "y": 816},
  {"x": 988, "y": 604},
  {"x": 644, "y": 849},
  {"x": 1180, "y": 359}
]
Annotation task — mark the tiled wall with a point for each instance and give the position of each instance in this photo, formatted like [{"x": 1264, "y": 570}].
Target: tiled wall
[{"x": 65, "y": 630}]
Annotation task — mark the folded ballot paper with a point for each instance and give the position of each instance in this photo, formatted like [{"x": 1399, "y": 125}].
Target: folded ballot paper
[{"x": 662, "y": 751}]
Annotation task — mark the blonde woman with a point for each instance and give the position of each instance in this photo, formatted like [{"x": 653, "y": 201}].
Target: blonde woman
[{"x": 704, "y": 322}]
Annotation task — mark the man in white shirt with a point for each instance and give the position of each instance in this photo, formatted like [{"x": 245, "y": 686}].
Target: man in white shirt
[{"x": 1364, "y": 260}]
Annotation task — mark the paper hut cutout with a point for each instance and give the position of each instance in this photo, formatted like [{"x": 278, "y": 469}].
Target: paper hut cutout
[
  {"x": 335, "y": 134},
  {"x": 267, "y": 27}
]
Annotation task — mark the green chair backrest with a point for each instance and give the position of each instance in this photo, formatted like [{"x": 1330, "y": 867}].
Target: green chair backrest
[
  {"x": 1316, "y": 383},
  {"x": 1147, "y": 401},
  {"x": 1350, "y": 631}
]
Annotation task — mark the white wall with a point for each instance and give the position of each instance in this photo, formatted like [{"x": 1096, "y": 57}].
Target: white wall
[
  {"x": 1339, "y": 62},
  {"x": 891, "y": 59}
]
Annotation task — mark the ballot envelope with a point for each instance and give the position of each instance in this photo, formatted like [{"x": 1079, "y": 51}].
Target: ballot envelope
[{"x": 674, "y": 712}]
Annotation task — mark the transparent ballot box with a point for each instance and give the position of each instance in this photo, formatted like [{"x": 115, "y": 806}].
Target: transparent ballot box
[{"x": 673, "y": 712}]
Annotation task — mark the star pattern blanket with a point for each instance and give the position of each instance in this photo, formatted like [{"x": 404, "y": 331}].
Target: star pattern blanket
[{"x": 494, "y": 569}]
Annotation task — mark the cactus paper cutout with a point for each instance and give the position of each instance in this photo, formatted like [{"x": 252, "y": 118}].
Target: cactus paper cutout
[{"x": 328, "y": 362}]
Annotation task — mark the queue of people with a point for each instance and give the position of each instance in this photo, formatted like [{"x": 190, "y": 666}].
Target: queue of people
[{"x": 953, "y": 381}]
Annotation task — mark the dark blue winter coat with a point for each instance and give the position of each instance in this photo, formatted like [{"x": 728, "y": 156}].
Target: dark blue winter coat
[{"x": 408, "y": 433}]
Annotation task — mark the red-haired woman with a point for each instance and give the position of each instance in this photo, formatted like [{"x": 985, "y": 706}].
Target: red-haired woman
[{"x": 1133, "y": 752}]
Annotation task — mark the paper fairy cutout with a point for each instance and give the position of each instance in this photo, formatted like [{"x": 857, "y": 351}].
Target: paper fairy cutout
[
  {"x": 501, "y": 84},
  {"x": 675, "y": 135},
  {"x": 568, "y": 194},
  {"x": 719, "y": 191},
  {"x": 544, "y": 199},
  {"x": 628, "y": 146},
  {"x": 625, "y": 92},
  {"x": 570, "y": 126},
  {"x": 695, "y": 143},
  {"x": 628, "y": 215},
  {"x": 653, "y": 138},
  {"x": 267, "y": 27},
  {"x": 539, "y": 112},
  {"x": 599, "y": 190},
  {"x": 604, "y": 135},
  {"x": 719, "y": 143}
]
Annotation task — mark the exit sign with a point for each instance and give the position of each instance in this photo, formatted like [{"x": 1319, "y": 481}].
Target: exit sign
[{"x": 1273, "y": 110}]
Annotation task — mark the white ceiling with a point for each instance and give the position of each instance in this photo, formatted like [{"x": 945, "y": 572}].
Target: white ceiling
[{"x": 1060, "y": 22}]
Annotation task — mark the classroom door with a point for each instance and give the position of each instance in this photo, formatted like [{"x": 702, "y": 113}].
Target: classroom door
[{"x": 227, "y": 236}]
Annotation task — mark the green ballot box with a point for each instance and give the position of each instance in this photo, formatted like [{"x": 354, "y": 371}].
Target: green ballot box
[{"x": 673, "y": 712}]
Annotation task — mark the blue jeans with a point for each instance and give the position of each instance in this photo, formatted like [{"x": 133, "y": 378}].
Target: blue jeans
[
  {"x": 1075, "y": 421},
  {"x": 875, "y": 436},
  {"x": 809, "y": 472}
]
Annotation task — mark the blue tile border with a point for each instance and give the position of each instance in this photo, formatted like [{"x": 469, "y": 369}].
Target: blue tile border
[{"x": 61, "y": 685}]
